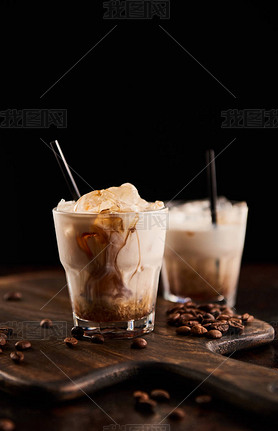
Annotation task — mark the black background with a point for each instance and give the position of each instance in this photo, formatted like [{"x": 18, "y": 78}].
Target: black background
[{"x": 140, "y": 110}]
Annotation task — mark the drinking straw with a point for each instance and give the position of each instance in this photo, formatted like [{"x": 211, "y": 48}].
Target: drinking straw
[
  {"x": 65, "y": 170},
  {"x": 211, "y": 175}
]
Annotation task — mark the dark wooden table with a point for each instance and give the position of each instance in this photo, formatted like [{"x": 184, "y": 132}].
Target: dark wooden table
[{"x": 258, "y": 294}]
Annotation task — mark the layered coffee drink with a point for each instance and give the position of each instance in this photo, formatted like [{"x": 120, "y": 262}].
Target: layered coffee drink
[
  {"x": 202, "y": 260},
  {"x": 111, "y": 244}
]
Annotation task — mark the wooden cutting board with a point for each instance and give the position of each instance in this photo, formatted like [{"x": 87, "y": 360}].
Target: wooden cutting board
[{"x": 52, "y": 370}]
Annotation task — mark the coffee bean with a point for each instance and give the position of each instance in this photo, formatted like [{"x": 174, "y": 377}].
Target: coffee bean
[
  {"x": 214, "y": 333},
  {"x": 46, "y": 323},
  {"x": 97, "y": 339},
  {"x": 203, "y": 399},
  {"x": 183, "y": 320},
  {"x": 223, "y": 317},
  {"x": 77, "y": 332},
  {"x": 22, "y": 345},
  {"x": 17, "y": 357},
  {"x": 6, "y": 330},
  {"x": 160, "y": 395},
  {"x": 173, "y": 318},
  {"x": 235, "y": 319},
  {"x": 209, "y": 317},
  {"x": 3, "y": 340},
  {"x": 190, "y": 304},
  {"x": 146, "y": 405},
  {"x": 188, "y": 316},
  {"x": 227, "y": 310},
  {"x": 174, "y": 309},
  {"x": 70, "y": 341},
  {"x": 246, "y": 318},
  {"x": 207, "y": 326},
  {"x": 198, "y": 330},
  {"x": 139, "y": 343},
  {"x": 192, "y": 323},
  {"x": 12, "y": 296},
  {"x": 183, "y": 330},
  {"x": 140, "y": 395},
  {"x": 235, "y": 327},
  {"x": 215, "y": 312},
  {"x": 6, "y": 424},
  {"x": 177, "y": 414},
  {"x": 1, "y": 351},
  {"x": 220, "y": 326}
]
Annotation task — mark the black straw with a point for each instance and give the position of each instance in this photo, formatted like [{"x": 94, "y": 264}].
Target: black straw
[
  {"x": 65, "y": 170},
  {"x": 211, "y": 174}
]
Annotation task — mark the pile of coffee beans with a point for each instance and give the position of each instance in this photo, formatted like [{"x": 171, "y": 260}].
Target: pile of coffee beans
[{"x": 209, "y": 320}]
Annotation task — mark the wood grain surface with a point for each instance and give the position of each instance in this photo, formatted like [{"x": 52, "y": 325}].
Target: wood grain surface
[{"x": 54, "y": 371}]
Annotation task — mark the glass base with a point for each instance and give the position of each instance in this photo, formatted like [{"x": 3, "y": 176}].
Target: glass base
[
  {"x": 218, "y": 300},
  {"x": 123, "y": 329}
]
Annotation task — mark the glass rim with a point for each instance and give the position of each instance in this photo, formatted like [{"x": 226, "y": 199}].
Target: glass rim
[
  {"x": 177, "y": 202},
  {"x": 117, "y": 214}
]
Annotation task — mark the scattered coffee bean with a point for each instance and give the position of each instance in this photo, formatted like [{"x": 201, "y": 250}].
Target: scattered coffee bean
[
  {"x": 183, "y": 330},
  {"x": 6, "y": 330},
  {"x": 140, "y": 395},
  {"x": 77, "y": 332},
  {"x": 46, "y": 323},
  {"x": 17, "y": 356},
  {"x": 1, "y": 351},
  {"x": 203, "y": 399},
  {"x": 70, "y": 341},
  {"x": 160, "y": 395},
  {"x": 198, "y": 330},
  {"x": 146, "y": 405},
  {"x": 6, "y": 424},
  {"x": 139, "y": 343},
  {"x": 3, "y": 340},
  {"x": 97, "y": 339},
  {"x": 22, "y": 345},
  {"x": 177, "y": 414},
  {"x": 12, "y": 296}
]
